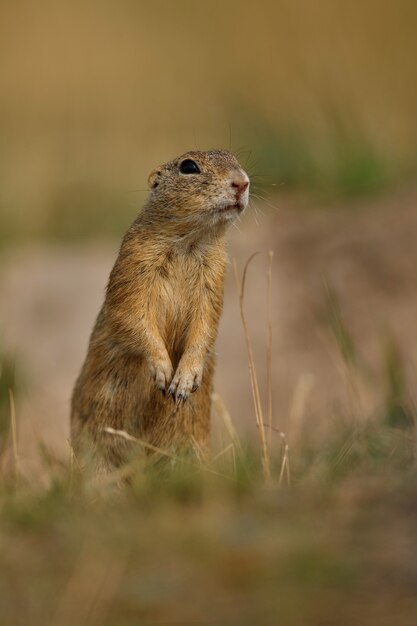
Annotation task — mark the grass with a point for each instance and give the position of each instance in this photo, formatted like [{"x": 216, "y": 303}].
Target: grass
[
  {"x": 341, "y": 164},
  {"x": 314, "y": 528},
  {"x": 9, "y": 375},
  {"x": 217, "y": 544}
]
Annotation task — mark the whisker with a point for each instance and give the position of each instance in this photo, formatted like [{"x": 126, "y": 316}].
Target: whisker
[
  {"x": 257, "y": 206},
  {"x": 266, "y": 201},
  {"x": 255, "y": 214},
  {"x": 257, "y": 210},
  {"x": 240, "y": 152}
]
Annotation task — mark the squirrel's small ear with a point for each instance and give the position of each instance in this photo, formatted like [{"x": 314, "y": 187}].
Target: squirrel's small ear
[{"x": 153, "y": 177}]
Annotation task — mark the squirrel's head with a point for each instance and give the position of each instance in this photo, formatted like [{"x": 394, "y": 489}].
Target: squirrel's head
[{"x": 200, "y": 187}]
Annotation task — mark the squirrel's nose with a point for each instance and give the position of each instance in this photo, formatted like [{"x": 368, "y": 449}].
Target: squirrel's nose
[{"x": 240, "y": 184}]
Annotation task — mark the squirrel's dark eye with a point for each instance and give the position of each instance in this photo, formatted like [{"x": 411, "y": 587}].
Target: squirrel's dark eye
[{"x": 188, "y": 166}]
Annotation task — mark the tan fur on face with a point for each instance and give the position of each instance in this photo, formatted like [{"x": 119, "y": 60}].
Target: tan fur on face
[{"x": 150, "y": 362}]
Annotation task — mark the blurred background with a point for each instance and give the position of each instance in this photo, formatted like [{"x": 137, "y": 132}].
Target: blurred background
[{"x": 319, "y": 101}]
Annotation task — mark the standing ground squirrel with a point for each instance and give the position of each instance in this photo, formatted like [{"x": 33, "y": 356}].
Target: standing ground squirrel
[{"x": 152, "y": 345}]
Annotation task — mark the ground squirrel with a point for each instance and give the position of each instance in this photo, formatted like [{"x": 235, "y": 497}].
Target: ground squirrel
[{"x": 152, "y": 345}]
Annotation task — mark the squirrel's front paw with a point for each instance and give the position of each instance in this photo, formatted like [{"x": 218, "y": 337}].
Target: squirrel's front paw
[
  {"x": 185, "y": 381},
  {"x": 162, "y": 372}
]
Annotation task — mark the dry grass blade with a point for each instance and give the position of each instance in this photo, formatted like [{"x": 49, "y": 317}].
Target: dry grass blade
[
  {"x": 14, "y": 435},
  {"x": 201, "y": 454},
  {"x": 269, "y": 345},
  {"x": 285, "y": 467},
  {"x": 173, "y": 457},
  {"x": 145, "y": 444},
  {"x": 285, "y": 464},
  {"x": 252, "y": 368},
  {"x": 73, "y": 461},
  {"x": 231, "y": 446},
  {"x": 226, "y": 418},
  {"x": 73, "y": 457},
  {"x": 298, "y": 405}
]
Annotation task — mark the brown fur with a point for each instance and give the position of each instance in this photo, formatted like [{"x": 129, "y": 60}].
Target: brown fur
[{"x": 152, "y": 344}]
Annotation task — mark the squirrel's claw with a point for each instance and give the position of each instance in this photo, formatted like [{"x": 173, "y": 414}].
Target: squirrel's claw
[
  {"x": 162, "y": 375},
  {"x": 183, "y": 384}
]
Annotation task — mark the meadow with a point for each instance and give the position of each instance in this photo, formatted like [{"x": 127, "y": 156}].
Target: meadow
[{"x": 307, "y": 529}]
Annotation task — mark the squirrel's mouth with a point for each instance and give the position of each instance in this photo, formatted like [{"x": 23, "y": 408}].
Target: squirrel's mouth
[
  {"x": 230, "y": 210},
  {"x": 237, "y": 206}
]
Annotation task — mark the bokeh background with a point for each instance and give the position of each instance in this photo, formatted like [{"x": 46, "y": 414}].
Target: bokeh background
[{"x": 319, "y": 101}]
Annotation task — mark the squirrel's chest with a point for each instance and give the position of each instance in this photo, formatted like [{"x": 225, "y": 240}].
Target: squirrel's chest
[
  {"x": 177, "y": 288},
  {"x": 182, "y": 292}
]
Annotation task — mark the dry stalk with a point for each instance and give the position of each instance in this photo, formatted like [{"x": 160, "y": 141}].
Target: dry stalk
[
  {"x": 73, "y": 457},
  {"x": 14, "y": 435},
  {"x": 297, "y": 410},
  {"x": 73, "y": 461},
  {"x": 231, "y": 446},
  {"x": 252, "y": 368},
  {"x": 224, "y": 414},
  {"x": 173, "y": 457},
  {"x": 285, "y": 467},
  {"x": 285, "y": 464},
  {"x": 202, "y": 456},
  {"x": 145, "y": 444},
  {"x": 269, "y": 346}
]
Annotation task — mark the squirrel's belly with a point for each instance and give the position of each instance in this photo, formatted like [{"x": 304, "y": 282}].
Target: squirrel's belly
[{"x": 174, "y": 316}]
